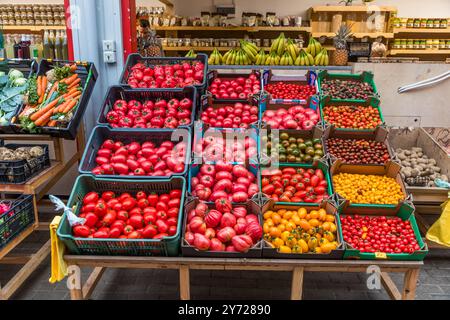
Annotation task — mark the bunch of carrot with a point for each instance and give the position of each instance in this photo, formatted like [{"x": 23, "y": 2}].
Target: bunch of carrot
[{"x": 55, "y": 99}]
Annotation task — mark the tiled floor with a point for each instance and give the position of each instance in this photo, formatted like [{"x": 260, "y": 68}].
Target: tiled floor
[{"x": 434, "y": 282}]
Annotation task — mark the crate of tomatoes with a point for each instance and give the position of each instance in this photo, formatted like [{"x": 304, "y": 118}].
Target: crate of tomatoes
[
  {"x": 362, "y": 118},
  {"x": 363, "y": 186},
  {"x": 149, "y": 109},
  {"x": 165, "y": 72},
  {"x": 229, "y": 113},
  {"x": 222, "y": 230},
  {"x": 290, "y": 88},
  {"x": 310, "y": 231},
  {"x": 227, "y": 145},
  {"x": 386, "y": 234},
  {"x": 125, "y": 217},
  {"x": 56, "y": 98},
  {"x": 237, "y": 183},
  {"x": 137, "y": 154},
  {"x": 296, "y": 183},
  {"x": 347, "y": 87},
  {"x": 234, "y": 86}
]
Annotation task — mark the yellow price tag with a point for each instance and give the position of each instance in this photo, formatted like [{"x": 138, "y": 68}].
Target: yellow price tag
[{"x": 380, "y": 255}]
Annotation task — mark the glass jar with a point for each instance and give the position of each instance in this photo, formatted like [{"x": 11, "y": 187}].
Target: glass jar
[
  {"x": 416, "y": 23},
  {"x": 423, "y": 23},
  {"x": 436, "y": 44},
  {"x": 410, "y": 23},
  {"x": 444, "y": 24},
  {"x": 448, "y": 44},
  {"x": 410, "y": 44},
  {"x": 336, "y": 22},
  {"x": 430, "y": 23},
  {"x": 442, "y": 44},
  {"x": 437, "y": 23},
  {"x": 429, "y": 44},
  {"x": 323, "y": 24},
  {"x": 396, "y": 44},
  {"x": 397, "y": 23},
  {"x": 403, "y": 44},
  {"x": 404, "y": 23},
  {"x": 416, "y": 44}
]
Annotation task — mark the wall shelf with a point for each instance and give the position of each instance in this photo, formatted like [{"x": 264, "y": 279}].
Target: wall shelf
[
  {"x": 424, "y": 30},
  {"x": 246, "y": 29},
  {"x": 358, "y": 35},
  {"x": 354, "y": 8},
  {"x": 31, "y": 28},
  {"x": 166, "y": 48},
  {"x": 419, "y": 52}
]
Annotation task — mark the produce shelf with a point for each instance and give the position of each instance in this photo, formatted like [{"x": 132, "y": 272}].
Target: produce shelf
[
  {"x": 353, "y": 8},
  {"x": 167, "y": 48},
  {"x": 252, "y": 67},
  {"x": 33, "y": 28},
  {"x": 418, "y": 51}
]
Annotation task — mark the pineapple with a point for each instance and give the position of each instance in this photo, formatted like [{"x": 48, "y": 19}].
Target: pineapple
[
  {"x": 150, "y": 45},
  {"x": 340, "y": 55}
]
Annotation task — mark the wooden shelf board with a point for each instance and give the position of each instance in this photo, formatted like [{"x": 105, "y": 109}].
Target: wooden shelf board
[
  {"x": 248, "y": 29},
  {"x": 166, "y": 48},
  {"x": 32, "y": 28},
  {"x": 424, "y": 30},
  {"x": 386, "y": 35},
  {"x": 418, "y": 51},
  {"x": 36, "y": 182},
  {"x": 343, "y": 8}
]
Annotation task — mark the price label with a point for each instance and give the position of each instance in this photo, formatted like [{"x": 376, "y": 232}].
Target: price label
[{"x": 380, "y": 255}]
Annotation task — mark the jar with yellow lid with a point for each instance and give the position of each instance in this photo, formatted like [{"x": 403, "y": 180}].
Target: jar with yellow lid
[
  {"x": 429, "y": 44},
  {"x": 410, "y": 23},
  {"x": 442, "y": 44},
  {"x": 436, "y": 43}
]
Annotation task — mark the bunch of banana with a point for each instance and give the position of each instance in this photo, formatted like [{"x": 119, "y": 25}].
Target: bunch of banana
[
  {"x": 261, "y": 58},
  {"x": 215, "y": 57},
  {"x": 250, "y": 49},
  {"x": 273, "y": 59},
  {"x": 286, "y": 60},
  {"x": 314, "y": 47},
  {"x": 293, "y": 49},
  {"x": 191, "y": 54},
  {"x": 304, "y": 59},
  {"x": 321, "y": 58},
  {"x": 278, "y": 45},
  {"x": 229, "y": 57}
]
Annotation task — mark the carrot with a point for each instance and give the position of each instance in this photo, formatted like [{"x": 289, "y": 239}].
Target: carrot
[
  {"x": 74, "y": 84},
  {"x": 72, "y": 91},
  {"x": 41, "y": 99},
  {"x": 74, "y": 95},
  {"x": 69, "y": 80},
  {"x": 44, "y": 110},
  {"x": 52, "y": 123},
  {"x": 44, "y": 84},
  {"x": 53, "y": 89},
  {"x": 24, "y": 111},
  {"x": 70, "y": 105},
  {"x": 39, "y": 85},
  {"x": 44, "y": 118},
  {"x": 73, "y": 67},
  {"x": 61, "y": 107}
]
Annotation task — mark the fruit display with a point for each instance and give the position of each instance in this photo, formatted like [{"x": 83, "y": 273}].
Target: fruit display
[
  {"x": 282, "y": 52},
  {"x": 379, "y": 234},
  {"x": 226, "y": 228},
  {"x": 296, "y": 117},
  {"x": 286, "y": 147},
  {"x": 358, "y": 151},
  {"x": 418, "y": 169},
  {"x": 368, "y": 189},
  {"x": 223, "y": 180},
  {"x": 301, "y": 230},
  {"x": 152, "y": 114},
  {"x": 212, "y": 148},
  {"x": 126, "y": 216},
  {"x": 140, "y": 159},
  {"x": 346, "y": 89},
  {"x": 352, "y": 117},
  {"x": 239, "y": 115},
  {"x": 294, "y": 184},
  {"x": 177, "y": 75},
  {"x": 283, "y": 90},
  {"x": 51, "y": 99},
  {"x": 238, "y": 88},
  {"x": 191, "y": 54}
]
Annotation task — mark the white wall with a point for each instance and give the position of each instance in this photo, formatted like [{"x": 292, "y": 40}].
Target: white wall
[{"x": 406, "y": 8}]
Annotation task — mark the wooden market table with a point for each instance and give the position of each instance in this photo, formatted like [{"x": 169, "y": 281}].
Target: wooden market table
[
  {"x": 38, "y": 186},
  {"x": 410, "y": 269}
]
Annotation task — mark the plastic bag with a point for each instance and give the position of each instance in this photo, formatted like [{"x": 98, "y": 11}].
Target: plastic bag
[
  {"x": 439, "y": 232},
  {"x": 71, "y": 217},
  {"x": 442, "y": 184}
]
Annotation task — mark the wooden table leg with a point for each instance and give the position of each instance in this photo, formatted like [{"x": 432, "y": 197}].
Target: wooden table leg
[
  {"x": 184, "y": 283},
  {"x": 297, "y": 284},
  {"x": 92, "y": 281},
  {"x": 410, "y": 284},
  {"x": 74, "y": 282},
  {"x": 390, "y": 286}
]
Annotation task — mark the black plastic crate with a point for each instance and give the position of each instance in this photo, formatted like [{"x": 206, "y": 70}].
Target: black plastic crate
[
  {"x": 124, "y": 93},
  {"x": 16, "y": 219},
  {"x": 19, "y": 172},
  {"x": 88, "y": 75},
  {"x": 28, "y": 68},
  {"x": 152, "y": 61}
]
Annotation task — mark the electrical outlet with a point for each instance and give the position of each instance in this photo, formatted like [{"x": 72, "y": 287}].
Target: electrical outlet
[
  {"x": 109, "y": 45},
  {"x": 109, "y": 56}
]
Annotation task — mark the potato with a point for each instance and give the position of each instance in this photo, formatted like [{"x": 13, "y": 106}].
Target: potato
[
  {"x": 436, "y": 169},
  {"x": 432, "y": 162},
  {"x": 407, "y": 153},
  {"x": 416, "y": 149},
  {"x": 401, "y": 156},
  {"x": 406, "y": 163},
  {"x": 415, "y": 172}
]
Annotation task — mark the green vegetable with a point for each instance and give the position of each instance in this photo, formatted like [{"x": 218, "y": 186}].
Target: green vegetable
[
  {"x": 15, "y": 74},
  {"x": 19, "y": 82},
  {"x": 33, "y": 97}
]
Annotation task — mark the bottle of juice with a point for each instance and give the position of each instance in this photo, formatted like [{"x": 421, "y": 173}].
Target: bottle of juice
[
  {"x": 65, "y": 47},
  {"x": 46, "y": 45}
]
